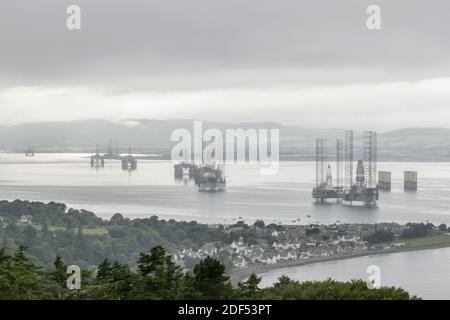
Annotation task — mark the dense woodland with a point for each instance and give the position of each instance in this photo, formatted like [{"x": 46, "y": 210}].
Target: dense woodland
[
  {"x": 117, "y": 264},
  {"x": 158, "y": 277},
  {"x": 84, "y": 239},
  {"x": 412, "y": 230}
]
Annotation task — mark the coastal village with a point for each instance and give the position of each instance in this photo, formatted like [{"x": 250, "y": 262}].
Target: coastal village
[
  {"x": 245, "y": 246},
  {"x": 293, "y": 243}
]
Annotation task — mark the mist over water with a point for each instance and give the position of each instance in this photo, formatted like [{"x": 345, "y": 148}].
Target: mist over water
[
  {"x": 422, "y": 273},
  {"x": 152, "y": 190},
  {"x": 282, "y": 198}
]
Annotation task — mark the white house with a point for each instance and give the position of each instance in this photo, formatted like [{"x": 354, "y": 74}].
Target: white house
[{"x": 25, "y": 219}]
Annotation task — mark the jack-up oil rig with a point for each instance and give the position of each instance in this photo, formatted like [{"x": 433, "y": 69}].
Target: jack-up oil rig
[
  {"x": 129, "y": 162},
  {"x": 184, "y": 170},
  {"x": 97, "y": 159},
  {"x": 29, "y": 152},
  {"x": 364, "y": 189},
  {"x": 210, "y": 177}
]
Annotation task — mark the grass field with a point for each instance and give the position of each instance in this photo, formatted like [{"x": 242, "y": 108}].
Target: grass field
[
  {"x": 433, "y": 240},
  {"x": 97, "y": 231}
]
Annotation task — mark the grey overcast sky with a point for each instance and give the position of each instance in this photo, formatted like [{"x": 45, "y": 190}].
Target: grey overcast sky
[{"x": 307, "y": 63}]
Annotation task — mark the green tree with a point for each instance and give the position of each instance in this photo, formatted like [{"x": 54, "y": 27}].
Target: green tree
[
  {"x": 160, "y": 277},
  {"x": 259, "y": 224},
  {"x": 21, "y": 280},
  {"x": 380, "y": 236},
  {"x": 114, "y": 281},
  {"x": 287, "y": 289},
  {"x": 104, "y": 271},
  {"x": 249, "y": 289},
  {"x": 59, "y": 275},
  {"x": 210, "y": 280}
]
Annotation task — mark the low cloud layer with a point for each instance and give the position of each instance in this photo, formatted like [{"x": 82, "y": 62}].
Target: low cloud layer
[{"x": 308, "y": 63}]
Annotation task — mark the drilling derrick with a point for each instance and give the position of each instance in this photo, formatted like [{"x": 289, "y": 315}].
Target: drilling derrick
[
  {"x": 339, "y": 148},
  {"x": 321, "y": 158},
  {"x": 324, "y": 188},
  {"x": 329, "y": 177},
  {"x": 97, "y": 159},
  {"x": 365, "y": 189},
  {"x": 370, "y": 166},
  {"x": 370, "y": 158},
  {"x": 360, "y": 175},
  {"x": 348, "y": 159}
]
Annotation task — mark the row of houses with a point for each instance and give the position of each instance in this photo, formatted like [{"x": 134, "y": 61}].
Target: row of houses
[
  {"x": 24, "y": 219},
  {"x": 243, "y": 255},
  {"x": 300, "y": 242}
]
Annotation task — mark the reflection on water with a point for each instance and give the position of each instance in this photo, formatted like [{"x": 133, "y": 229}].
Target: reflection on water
[
  {"x": 423, "y": 273},
  {"x": 285, "y": 198},
  {"x": 151, "y": 189}
]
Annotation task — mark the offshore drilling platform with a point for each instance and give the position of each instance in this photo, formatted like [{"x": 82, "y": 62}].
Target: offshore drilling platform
[
  {"x": 208, "y": 177},
  {"x": 364, "y": 188}
]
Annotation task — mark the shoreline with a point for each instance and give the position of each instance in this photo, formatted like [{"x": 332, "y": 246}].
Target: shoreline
[
  {"x": 242, "y": 274},
  {"x": 162, "y": 155}
]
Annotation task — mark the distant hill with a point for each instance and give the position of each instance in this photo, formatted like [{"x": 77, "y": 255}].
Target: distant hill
[
  {"x": 416, "y": 144},
  {"x": 148, "y": 136}
]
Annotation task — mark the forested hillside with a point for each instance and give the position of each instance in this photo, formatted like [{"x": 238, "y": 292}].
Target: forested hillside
[
  {"x": 158, "y": 277},
  {"x": 84, "y": 239}
]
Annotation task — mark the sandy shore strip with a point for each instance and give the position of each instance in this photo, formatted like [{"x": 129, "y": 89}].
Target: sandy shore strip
[{"x": 242, "y": 274}]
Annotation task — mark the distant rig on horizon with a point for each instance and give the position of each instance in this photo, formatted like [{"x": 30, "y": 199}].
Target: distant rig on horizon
[{"x": 365, "y": 188}]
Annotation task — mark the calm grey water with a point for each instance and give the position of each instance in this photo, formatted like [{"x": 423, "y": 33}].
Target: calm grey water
[
  {"x": 284, "y": 197},
  {"x": 423, "y": 273},
  {"x": 151, "y": 189}
]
